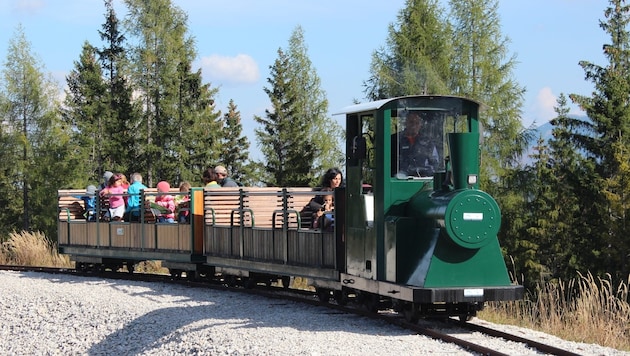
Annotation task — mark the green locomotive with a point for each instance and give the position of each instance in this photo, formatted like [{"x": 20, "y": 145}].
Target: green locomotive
[{"x": 417, "y": 227}]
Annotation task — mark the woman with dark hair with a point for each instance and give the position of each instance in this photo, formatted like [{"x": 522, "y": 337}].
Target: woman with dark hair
[
  {"x": 331, "y": 180},
  {"x": 210, "y": 178}
]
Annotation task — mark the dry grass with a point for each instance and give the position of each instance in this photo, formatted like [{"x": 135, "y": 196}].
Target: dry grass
[
  {"x": 154, "y": 267},
  {"x": 586, "y": 309},
  {"x": 31, "y": 249}
]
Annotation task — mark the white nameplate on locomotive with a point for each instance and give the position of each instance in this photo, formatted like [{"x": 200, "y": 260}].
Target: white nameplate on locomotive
[
  {"x": 473, "y": 292},
  {"x": 473, "y": 216}
]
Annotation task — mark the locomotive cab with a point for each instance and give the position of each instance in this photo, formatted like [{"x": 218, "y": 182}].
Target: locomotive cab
[{"x": 424, "y": 229}]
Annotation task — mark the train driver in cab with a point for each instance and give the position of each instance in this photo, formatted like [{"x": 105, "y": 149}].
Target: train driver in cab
[{"x": 413, "y": 149}]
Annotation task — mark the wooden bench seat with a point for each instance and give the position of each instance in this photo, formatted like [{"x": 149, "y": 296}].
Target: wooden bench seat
[
  {"x": 259, "y": 207},
  {"x": 221, "y": 206},
  {"x": 70, "y": 205}
]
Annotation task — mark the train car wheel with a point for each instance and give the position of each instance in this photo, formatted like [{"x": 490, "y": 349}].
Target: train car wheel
[
  {"x": 324, "y": 295},
  {"x": 130, "y": 267},
  {"x": 176, "y": 274},
  {"x": 286, "y": 280},
  {"x": 249, "y": 283}
]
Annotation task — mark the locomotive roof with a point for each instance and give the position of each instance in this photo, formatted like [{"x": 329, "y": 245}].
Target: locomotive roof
[{"x": 375, "y": 105}]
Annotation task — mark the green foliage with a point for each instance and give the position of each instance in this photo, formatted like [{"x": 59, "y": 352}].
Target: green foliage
[
  {"x": 35, "y": 142},
  {"x": 297, "y": 139},
  {"x": 235, "y": 147},
  {"x": 161, "y": 71},
  {"x": 604, "y": 137},
  {"x": 311, "y": 104},
  {"x": 416, "y": 59}
]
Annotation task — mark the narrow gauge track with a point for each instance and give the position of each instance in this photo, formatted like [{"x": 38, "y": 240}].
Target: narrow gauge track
[{"x": 302, "y": 296}]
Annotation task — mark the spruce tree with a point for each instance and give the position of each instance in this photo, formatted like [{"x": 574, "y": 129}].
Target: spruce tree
[
  {"x": 85, "y": 111},
  {"x": 36, "y": 141},
  {"x": 235, "y": 146},
  {"x": 311, "y": 104},
  {"x": 122, "y": 149},
  {"x": 284, "y": 136},
  {"x": 602, "y": 137},
  {"x": 417, "y": 55},
  {"x": 198, "y": 126},
  {"x": 160, "y": 31}
]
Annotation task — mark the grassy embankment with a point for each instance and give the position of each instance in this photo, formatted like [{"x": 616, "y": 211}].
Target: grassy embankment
[{"x": 586, "y": 309}]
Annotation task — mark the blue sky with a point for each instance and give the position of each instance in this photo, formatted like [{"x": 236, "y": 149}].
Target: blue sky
[{"x": 237, "y": 41}]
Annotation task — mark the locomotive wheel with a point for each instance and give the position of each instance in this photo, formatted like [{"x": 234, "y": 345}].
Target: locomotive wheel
[
  {"x": 369, "y": 301},
  {"x": 465, "y": 317},
  {"x": 340, "y": 297},
  {"x": 411, "y": 312}
]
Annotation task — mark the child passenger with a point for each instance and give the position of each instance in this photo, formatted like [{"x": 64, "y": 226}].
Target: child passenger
[
  {"x": 183, "y": 215},
  {"x": 166, "y": 201},
  {"x": 89, "y": 202},
  {"x": 324, "y": 218},
  {"x": 114, "y": 192}
]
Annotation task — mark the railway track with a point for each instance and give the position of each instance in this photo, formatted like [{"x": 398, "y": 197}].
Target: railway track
[{"x": 450, "y": 331}]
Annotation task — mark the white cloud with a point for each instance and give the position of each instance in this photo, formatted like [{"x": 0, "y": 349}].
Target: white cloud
[
  {"x": 545, "y": 103},
  {"x": 28, "y": 6},
  {"x": 230, "y": 70}
]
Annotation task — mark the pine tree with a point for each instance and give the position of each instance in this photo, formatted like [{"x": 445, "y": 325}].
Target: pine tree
[
  {"x": 417, "y": 56},
  {"x": 36, "y": 141},
  {"x": 311, "y": 104},
  {"x": 85, "y": 109},
  {"x": 235, "y": 146},
  {"x": 602, "y": 137},
  {"x": 284, "y": 137},
  {"x": 481, "y": 71},
  {"x": 160, "y": 30},
  {"x": 122, "y": 119}
]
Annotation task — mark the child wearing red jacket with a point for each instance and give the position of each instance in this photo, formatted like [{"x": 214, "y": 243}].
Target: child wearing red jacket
[{"x": 166, "y": 201}]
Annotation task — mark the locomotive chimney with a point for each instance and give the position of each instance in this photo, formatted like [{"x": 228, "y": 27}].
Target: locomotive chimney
[{"x": 464, "y": 154}]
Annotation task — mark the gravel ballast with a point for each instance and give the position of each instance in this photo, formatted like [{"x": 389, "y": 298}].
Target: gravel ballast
[{"x": 46, "y": 314}]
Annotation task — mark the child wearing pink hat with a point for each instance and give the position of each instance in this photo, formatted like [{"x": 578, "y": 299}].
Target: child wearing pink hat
[{"x": 166, "y": 201}]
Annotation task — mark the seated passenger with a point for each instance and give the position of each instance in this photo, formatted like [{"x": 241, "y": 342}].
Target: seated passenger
[
  {"x": 89, "y": 203},
  {"x": 183, "y": 208},
  {"x": 165, "y": 203},
  {"x": 413, "y": 150},
  {"x": 132, "y": 213},
  {"x": 210, "y": 178},
  {"x": 114, "y": 193},
  {"x": 332, "y": 179},
  {"x": 324, "y": 218},
  {"x": 223, "y": 179}
]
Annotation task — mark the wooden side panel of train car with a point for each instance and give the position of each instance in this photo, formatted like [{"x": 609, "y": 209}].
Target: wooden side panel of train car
[
  {"x": 75, "y": 231},
  {"x": 249, "y": 224}
]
